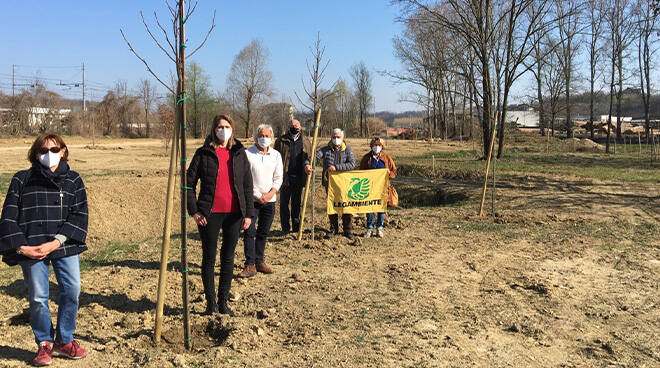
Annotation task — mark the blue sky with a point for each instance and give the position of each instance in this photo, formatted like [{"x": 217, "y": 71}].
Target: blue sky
[{"x": 40, "y": 35}]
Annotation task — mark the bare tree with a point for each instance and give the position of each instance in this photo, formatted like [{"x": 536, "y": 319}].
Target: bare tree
[
  {"x": 553, "y": 76},
  {"x": 620, "y": 35},
  {"x": 147, "y": 97},
  {"x": 345, "y": 105},
  {"x": 362, "y": 81},
  {"x": 201, "y": 101},
  {"x": 647, "y": 38},
  {"x": 316, "y": 75},
  {"x": 596, "y": 9},
  {"x": 249, "y": 80},
  {"x": 568, "y": 16}
]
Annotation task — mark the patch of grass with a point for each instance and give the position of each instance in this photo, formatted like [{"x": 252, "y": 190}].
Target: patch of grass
[
  {"x": 110, "y": 252},
  {"x": 483, "y": 226},
  {"x": 621, "y": 167},
  {"x": 5, "y": 179}
]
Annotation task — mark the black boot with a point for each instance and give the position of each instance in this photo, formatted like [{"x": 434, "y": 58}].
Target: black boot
[
  {"x": 224, "y": 308},
  {"x": 211, "y": 307}
]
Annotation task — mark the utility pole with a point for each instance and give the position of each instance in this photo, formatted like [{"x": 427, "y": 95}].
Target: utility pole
[{"x": 13, "y": 78}]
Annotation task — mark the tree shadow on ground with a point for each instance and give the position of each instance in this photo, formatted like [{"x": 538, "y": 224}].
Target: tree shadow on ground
[
  {"x": 115, "y": 301},
  {"x": 142, "y": 265}
]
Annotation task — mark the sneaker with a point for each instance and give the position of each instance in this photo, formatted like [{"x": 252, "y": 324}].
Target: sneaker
[
  {"x": 263, "y": 268},
  {"x": 330, "y": 235},
  {"x": 71, "y": 350},
  {"x": 248, "y": 271},
  {"x": 349, "y": 236},
  {"x": 368, "y": 233},
  {"x": 44, "y": 354},
  {"x": 379, "y": 232}
]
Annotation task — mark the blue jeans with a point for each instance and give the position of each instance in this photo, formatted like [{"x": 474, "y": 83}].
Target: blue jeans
[
  {"x": 380, "y": 221},
  {"x": 67, "y": 273}
]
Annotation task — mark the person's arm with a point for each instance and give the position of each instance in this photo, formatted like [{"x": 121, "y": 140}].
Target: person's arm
[
  {"x": 392, "y": 168},
  {"x": 192, "y": 177},
  {"x": 11, "y": 235},
  {"x": 75, "y": 226},
  {"x": 248, "y": 186},
  {"x": 278, "y": 176}
]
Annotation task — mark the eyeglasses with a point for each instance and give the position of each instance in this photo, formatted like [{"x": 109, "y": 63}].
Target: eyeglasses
[{"x": 44, "y": 150}]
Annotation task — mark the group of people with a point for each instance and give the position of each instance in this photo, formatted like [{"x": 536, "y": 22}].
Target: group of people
[
  {"x": 44, "y": 216},
  {"x": 238, "y": 189}
]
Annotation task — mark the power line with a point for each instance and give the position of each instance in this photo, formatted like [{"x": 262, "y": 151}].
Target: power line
[{"x": 47, "y": 66}]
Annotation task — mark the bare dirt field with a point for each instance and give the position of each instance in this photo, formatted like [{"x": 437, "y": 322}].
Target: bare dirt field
[{"x": 565, "y": 275}]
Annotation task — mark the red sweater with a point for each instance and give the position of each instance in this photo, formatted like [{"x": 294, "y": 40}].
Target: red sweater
[{"x": 226, "y": 198}]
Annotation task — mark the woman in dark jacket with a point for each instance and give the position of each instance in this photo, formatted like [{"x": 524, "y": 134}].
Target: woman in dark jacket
[
  {"x": 224, "y": 201},
  {"x": 44, "y": 222}
]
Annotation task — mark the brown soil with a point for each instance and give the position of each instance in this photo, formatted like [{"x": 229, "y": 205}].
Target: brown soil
[{"x": 566, "y": 275}]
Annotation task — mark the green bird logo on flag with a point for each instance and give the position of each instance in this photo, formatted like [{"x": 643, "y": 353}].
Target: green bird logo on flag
[{"x": 359, "y": 189}]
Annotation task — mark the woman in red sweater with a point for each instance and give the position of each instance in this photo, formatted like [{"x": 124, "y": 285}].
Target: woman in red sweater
[{"x": 224, "y": 202}]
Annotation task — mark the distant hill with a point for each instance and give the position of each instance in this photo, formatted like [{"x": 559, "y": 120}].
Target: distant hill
[{"x": 389, "y": 117}]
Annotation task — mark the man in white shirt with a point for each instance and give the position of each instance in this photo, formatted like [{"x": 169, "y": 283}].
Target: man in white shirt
[{"x": 266, "y": 168}]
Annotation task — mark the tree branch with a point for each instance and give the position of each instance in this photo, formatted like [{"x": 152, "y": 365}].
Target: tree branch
[{"x": 130, "y": 47}]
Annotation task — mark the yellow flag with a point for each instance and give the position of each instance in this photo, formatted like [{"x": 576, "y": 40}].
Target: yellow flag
[{"x": 357, "y": 191}]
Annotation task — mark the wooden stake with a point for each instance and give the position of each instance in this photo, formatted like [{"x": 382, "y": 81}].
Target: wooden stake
[
  {"x": 433, "y": 157},
  {"x": 639, "y": 142},
  {"x": 167, "y": 230},
  {"x": 309, "y": 177},
  {"x": 490, "y": 153}
]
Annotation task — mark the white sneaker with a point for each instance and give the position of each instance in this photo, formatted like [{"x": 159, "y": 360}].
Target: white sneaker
[
  {"x": 379, "y": 232},
  {"x": 368, "y": 233}
]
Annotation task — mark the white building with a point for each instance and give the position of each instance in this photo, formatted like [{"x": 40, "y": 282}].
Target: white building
[
  {"x": 523, "y": 119},
  {"x": 38, "y": 116},
  {"x": 624, "y": 119}
]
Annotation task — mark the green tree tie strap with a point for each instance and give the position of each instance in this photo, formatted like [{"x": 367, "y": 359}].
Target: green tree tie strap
[{"x": 189, "y": 188}]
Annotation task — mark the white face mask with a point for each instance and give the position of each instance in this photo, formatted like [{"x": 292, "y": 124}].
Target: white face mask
[
  {"x": 49, "y": 159},
  {"x": 336, "y": 141},
  {"x": 223, "y": 134},
  {"x": 264, "y": 142},
  {"x": 376, "y": 149}
]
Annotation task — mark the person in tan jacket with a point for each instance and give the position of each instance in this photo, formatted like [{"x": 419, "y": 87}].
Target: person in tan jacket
[{"x": 376, "y": 158}]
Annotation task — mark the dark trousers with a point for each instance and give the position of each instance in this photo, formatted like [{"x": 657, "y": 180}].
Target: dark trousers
[
  {"x": 290, "y": 193},
  {"x": 231, "y": 228},
  {"x": 346, "y": 222},
  {"x": 257, "y": 234}
]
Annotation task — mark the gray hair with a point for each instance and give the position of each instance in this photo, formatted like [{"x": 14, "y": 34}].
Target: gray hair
[
  {"x": 262, "y": 127},
  {"x": 337, "y": 130}
]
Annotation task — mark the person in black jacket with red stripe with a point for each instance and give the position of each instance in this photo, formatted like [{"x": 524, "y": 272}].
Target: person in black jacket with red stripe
[
  {"x": 43, "y": 223},
  {"x": 224, "y": 201}
]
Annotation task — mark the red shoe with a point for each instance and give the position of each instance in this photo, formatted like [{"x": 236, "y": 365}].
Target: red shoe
[
  {"x": 43, "y": 354},
  {"x": 71, "y": 350}
]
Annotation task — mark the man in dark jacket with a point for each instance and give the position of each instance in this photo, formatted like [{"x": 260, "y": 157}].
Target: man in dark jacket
[
  {"x": 294, "y": 148},
  {"x": 336, "y": 156}
]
